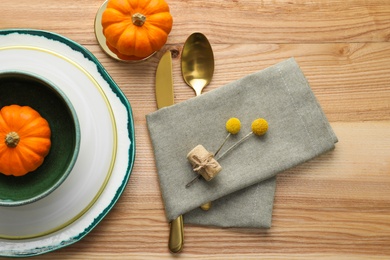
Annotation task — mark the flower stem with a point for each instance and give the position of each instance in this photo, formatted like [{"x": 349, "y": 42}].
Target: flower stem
[
  {"x": 234, "y": 145},
  {"x": 219, "y": 149},
  {"x": 197, "y": 178}
]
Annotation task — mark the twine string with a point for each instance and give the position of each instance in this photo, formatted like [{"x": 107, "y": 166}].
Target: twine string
[{"x": 202, "y": 163}]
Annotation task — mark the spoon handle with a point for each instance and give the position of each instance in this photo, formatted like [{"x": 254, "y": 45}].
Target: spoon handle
[{"x": 176, "y": 235}]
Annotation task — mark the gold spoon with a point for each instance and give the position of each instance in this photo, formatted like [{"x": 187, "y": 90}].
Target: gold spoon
[{"x": 197, "y": 67}]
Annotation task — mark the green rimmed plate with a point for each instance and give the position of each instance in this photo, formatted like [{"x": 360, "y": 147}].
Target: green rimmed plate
[
  {"x": 107, "y": 149},
  {"x": 26, "y": 89}
]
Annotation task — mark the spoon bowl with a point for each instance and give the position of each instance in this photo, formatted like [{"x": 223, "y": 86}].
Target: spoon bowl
[{"x": 197, "y": 62}]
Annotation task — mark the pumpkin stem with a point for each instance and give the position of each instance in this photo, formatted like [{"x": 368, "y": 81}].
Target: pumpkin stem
[
  {"x": 12, "y": 139},
  {"x": 138, "y": 19}
]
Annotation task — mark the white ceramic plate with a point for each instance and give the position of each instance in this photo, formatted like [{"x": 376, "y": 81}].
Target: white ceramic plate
[
  {"x": 107, "y": 146},
  {"x": 97, "y": 148}
]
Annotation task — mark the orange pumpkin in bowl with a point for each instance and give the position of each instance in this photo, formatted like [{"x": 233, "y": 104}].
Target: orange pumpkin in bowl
[
  {"x": 26, "y": 140},
  {"x": 135, "y": 29},
  {"x": 39, "y": 137}
]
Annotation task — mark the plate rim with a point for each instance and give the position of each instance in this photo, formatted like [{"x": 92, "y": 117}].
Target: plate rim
[{"x": 130, "y": 132}]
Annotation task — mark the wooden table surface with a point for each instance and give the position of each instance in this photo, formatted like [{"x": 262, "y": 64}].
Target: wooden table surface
[{"x": 335, "y": 206}]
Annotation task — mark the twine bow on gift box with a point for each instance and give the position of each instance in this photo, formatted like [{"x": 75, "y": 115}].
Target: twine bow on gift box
[{"x": 204, "y": 163}]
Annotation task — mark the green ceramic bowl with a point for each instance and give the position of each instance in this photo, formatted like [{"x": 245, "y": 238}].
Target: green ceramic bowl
[{"x": 27, "y": 89}]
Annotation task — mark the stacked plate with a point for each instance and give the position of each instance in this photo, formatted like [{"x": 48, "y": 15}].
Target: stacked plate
[{"x": 107, "y": 147}]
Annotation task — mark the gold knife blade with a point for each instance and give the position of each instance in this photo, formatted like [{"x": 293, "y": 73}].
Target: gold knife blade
[
  {"x": 164, "y": 81},
  {"x": 164, "y": 97}
]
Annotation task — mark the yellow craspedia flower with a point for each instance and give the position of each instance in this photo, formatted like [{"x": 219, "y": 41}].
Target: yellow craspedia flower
[
  {"x": 259, "y": 126},
  {"x": 233, "y": 125}
]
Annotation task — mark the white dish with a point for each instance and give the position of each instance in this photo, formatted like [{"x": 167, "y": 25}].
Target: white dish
[
  {"x": 107, "y": 146},
  {"x": 93, "y": 165}
]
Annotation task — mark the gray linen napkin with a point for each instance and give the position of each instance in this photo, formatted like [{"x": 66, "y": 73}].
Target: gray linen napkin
[{"x": 243, "y": 192}]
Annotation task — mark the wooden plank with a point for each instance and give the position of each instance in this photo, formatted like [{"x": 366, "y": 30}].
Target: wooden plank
[
  {"x": 350, "y": 81},
  {"x": 239, "y": 21}
]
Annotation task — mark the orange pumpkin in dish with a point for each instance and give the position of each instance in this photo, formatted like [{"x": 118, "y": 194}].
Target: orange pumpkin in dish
[
  {"x": 135, "y": 29},
  {"x": 25, "y": 140}
]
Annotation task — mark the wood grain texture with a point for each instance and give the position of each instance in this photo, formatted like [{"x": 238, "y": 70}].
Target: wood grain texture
[{"x": 336, "y": 206}]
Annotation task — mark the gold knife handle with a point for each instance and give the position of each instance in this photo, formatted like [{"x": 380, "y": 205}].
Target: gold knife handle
[
  {"x": 176, "y": 235},
  {"x": 206, "y": 206}
]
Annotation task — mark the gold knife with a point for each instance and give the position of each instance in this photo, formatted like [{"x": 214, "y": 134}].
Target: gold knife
[{"x": 164, "y": 97}]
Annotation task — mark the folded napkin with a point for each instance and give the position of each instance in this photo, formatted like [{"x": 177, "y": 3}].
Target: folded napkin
[{"x": 243, "y": 191}]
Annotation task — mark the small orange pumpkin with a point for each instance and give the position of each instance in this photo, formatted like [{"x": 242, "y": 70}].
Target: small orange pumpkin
[
  {"x": 135, "y": 29},
  {"x": 25, "y": 140}
]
